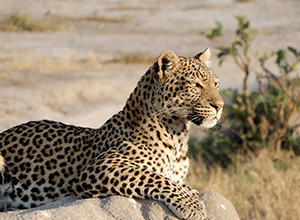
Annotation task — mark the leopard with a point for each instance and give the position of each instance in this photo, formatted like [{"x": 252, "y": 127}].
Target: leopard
[{"x": 141, "y": 152}]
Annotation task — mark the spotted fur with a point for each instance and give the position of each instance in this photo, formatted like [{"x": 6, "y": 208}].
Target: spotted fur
[{"x": 140, "y": 152}]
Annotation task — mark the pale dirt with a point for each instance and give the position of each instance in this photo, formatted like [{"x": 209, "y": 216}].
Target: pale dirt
[{"x": 88, "y": 96}]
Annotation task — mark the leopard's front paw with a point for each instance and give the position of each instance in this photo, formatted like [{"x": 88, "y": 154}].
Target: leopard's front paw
[
  {"x": 189, "y": 209},
  {"x": 190, "y": 190}
]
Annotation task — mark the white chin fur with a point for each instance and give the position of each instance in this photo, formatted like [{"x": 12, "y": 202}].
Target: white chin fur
[{"x": 209, "y": 123}]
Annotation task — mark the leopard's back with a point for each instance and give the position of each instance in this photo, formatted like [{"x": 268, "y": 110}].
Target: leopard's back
[{"x": 42, "y": 158}]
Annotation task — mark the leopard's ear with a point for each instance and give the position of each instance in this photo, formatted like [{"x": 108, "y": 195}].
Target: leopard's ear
[
  {"x": 167, "y": 63},
  {"x": 204, "y": 56}
]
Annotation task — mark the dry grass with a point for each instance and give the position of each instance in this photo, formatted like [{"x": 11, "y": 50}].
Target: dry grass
[
  {"x": 244, "y": 0},
  {"x": 65, "y": 63},
  {"x": 24, "y": 22},
  {"x": 103, "y": 19},
  {"x": 134, "y": 58},
  {"x": 268, "y": 187}
]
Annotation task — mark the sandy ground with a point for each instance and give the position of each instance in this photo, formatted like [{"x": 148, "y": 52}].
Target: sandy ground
[{"x": 39, "y": 78}]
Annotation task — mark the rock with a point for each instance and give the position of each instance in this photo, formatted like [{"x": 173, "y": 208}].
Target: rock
[
  {"x": 119, "y": 208},
  {"x": 218, "y": 207}
]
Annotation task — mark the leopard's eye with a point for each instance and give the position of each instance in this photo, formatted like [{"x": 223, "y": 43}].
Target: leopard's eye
[{"x": 198, "y": 85}]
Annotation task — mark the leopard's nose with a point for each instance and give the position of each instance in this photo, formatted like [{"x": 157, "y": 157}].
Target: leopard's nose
[{"x": 217, "y": 106}]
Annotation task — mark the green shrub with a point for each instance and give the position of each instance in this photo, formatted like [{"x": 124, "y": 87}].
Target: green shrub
[{"x": 256, "y": 119}]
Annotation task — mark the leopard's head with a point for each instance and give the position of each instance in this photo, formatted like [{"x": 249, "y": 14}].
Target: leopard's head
[{"x": 187, "y": 88}]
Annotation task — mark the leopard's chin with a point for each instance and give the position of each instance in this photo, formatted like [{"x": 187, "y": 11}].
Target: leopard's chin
[
  {"x": 200, "y": 121},
  {"x": 209, "y": 123}
]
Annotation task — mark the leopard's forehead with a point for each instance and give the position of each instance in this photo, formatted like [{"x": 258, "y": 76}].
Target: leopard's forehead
[{"x": 195, "y": 68}]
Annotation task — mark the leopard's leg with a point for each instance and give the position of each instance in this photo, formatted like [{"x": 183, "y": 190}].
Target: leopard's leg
[
  {"x": 110, "y": 176},
  {"x": 190, "y": 190}
]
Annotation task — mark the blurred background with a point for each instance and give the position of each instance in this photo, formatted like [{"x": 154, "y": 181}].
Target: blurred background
[{"x": 77, "y": 62}]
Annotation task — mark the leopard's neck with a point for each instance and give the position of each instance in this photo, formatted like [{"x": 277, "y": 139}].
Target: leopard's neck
[{"x": 141, "y": 111}]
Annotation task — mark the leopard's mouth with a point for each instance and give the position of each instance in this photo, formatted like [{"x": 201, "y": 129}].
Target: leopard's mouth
[
  {"x": 203, "y": 121},
  {"x": 195, "y": 118}
]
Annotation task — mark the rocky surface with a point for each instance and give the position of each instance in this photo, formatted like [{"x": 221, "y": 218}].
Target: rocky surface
[{"x": 118, "y": 207}]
